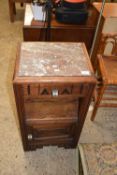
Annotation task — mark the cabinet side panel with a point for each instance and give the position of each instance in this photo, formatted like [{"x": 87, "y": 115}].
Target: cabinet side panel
[
  {"x": 20, "y": 110},
  {"x": 84, "y": 104}
]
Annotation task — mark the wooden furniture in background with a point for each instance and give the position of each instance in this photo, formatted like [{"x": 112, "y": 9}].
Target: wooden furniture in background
[
  {"x": 35, "y": 31},
  {"x": 110, "y": 10},
  {"x": 106, "y": 73},
  {"x": 12, "y": 8},
  {"x": 53, "y": 85}
]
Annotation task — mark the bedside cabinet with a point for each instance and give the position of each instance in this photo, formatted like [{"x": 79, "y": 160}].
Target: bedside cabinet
[{"x": 53, "y": 85}]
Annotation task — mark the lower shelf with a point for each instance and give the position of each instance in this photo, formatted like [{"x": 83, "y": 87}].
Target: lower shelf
[{"x": 61, "y": 134}]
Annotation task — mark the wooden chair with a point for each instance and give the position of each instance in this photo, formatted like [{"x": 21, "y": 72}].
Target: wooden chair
[
  {"x": 106, "y": 73},
  {"x": 12, "y": 8}
]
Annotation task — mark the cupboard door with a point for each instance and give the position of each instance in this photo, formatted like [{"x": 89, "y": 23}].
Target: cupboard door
[{"x": 50, "y": 133}]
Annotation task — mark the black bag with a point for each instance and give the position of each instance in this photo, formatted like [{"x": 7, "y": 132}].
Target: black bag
[{"x": 71, "y": 13}]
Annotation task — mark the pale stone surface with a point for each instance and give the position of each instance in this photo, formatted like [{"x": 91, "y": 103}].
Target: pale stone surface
[
  {"x": 53, "y": 59},
  {"x": 28, "y": 15}
]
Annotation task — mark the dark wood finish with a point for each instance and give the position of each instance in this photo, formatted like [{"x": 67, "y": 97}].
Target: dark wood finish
[
  {"x": 52, "y": 120},
  {"x": 65, "y": 32},
  {"x": 12, "y": 8},
  {"x": 107, "y": 73}
]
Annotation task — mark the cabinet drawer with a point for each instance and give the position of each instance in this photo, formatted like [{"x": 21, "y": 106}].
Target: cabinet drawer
[{"x": 35, "y": 91}]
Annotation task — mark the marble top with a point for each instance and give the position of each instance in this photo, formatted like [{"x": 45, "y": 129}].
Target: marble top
[
  {"x": 28, "y": 15},
  {"x": 53, "y": 59}
]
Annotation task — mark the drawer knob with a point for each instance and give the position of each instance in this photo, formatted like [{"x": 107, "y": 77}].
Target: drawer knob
[
  {"x": 55, "y": 92},
  {"x": 30, "y": 136}
]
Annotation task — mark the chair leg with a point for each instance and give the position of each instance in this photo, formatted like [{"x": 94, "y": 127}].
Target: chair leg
[
  {"x": 22, "y": 4},
  {"x": 11, "y": 10},
  {"x": 97, "y": 103},
  {"x": 14, "y": 8}
]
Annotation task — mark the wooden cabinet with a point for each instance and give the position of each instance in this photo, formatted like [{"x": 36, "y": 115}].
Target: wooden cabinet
[
  {"x": 53, "y": 85},
  {"x": 37, "y": 31},
  {"x": 12, "y": 7}
]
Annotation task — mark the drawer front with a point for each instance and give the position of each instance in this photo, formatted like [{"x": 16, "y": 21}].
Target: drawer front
[{"x": 53, "y": 90}]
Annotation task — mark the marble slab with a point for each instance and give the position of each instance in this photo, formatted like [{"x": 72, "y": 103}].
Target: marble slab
[
  {"x": 28, "y": 15},
  {"x": 53, "y": 59}
]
